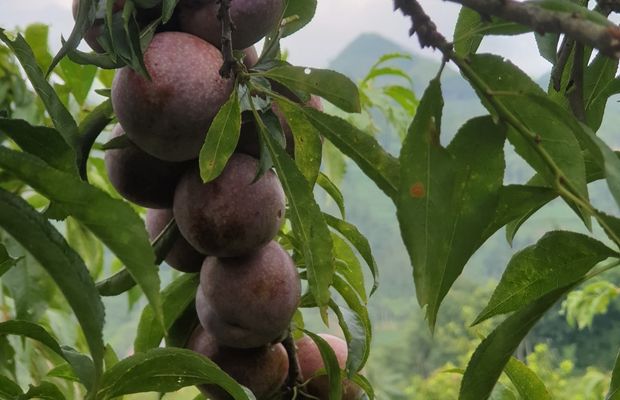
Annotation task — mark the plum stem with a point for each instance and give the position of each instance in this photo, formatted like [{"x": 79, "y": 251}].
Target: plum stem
[
  {"x": 292, "y": 379},
  {"x": 90, "y": 128},
  {"x": 228, "y": 27}
]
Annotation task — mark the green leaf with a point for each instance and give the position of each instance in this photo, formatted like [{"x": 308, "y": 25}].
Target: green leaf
[
  {"x": 79, "y": 78},
  {"x": 45, "y": 143},
  {"x": 359, "y": 241},
  {"x": 65, "y": 267},
  {"x": 332, "y": 368},
  {"x": 9, "y": 390},
  {"x": 62, "y": 119},
  {"x": 355, "y": 336},
  {"x": 83, "y": 21},
  {"x": 165, "y": 370},
  {"x": 528, "y": 384},
  {"x": 548, "y": 45},
  {"x": 176, "y": 297},
  {"x": 470, "y": 30},
  {"x": 492, "y": 355},
  {"x": 297, "y": 14},
  {"x": 555, "y": 135},
  {"x": 333, "y": 191},
  {"x": 36, "y": 36},
  {"x": 614, "y": 387},
  {"x": 363, "y": 383},
  {"x": 607, "y": 160},
  {"x": 330, "y": 85},
  {"x": 308, "y": 223},
  {"x": 168, "y": 7},
  {"x": 358, "y": 318},
  {"x": 87, "y": 246},
  {"x": 362, "y": 148},
  {"x": 221, "y": 139},
  {"x": 348, "y": 266},
  {"x": 448, "y": 196},
  {"x": 45, "y": 391},
  {"x": 307, "y": 141},
  {"x": 559, "y": 259},
  {"x": 100, "y": 213},
  {"x": 6, "y": 261}
]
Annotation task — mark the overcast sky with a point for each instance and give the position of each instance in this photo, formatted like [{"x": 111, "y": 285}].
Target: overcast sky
[{"x": 337, "y": 23}]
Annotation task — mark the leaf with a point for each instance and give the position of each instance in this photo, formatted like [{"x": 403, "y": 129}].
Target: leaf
[
  {"x": 167, "y": 10},
  {"x": 333, "y": 191},
  {"x": 363, "y": 383},
  {"x": 9, "y": 390},
  {"x": 555, "y": 135},
  {"x": 307, "y": 141},
  {"x": 45, "y": 143},
  {"x": 614, "y": 387},
  {"x": 448, "y": 196},
  {"x": 176, "y": 297},
  {"x": 79, "y": 78},
  {"x": 308, "y": 223},
  {"x": 330, "y": 85},
  {"x": 62, "y": 119},
  {"x": 362, "y": 148},
  {"x": 63, "y": 264},
  {"x": 348, "y": 266},
  {"x": 221, "y": 139},
  {"x": 332, "y": 368},
  {"x": 559, "y": 259},
  {"x": 528, "y": 384},
  {"x": 99, "y": 212},
  {"x": 87, "y": 246},
  {"x": 357, "y": 318},
  {"x": 46, "y": 391},
  {"x": 6, "y": 261},
  {"x": 165, "y": 370},
  {"x": 84, "y": 20},
  {"x": 492, "y": 355},
  {"x": 359, "y": 241},
  {"x": 297, "y": 14},
  {"x": 547, "y": 45},
  {"x": 355, "y": 336},
  {"x": 36, "y": 36}
]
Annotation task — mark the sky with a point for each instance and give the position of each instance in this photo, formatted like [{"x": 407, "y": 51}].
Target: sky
[{"x": 337, "y": 23}]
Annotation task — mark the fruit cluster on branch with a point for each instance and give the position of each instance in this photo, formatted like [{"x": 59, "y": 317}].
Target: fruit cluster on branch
[{"x": 249, "y": 284}]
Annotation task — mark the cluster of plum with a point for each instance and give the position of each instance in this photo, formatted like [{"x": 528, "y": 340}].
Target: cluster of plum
[{"x": 249, "y": 285}]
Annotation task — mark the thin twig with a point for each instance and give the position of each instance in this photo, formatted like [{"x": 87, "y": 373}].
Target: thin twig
[
  {"x": 292, "y": 379},
  {"x": 575, "y": 94},
  {"x": 229, "y": 65},
  {"x": 563, "y": 56}
]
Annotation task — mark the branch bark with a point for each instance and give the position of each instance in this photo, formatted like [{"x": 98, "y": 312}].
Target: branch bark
[
  {"x": 228, "y": 27},
  {"x": 604, "y": 38}
]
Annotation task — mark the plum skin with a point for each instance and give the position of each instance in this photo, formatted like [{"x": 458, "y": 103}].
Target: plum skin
[
  {"x": 182, "y": 256},
  {"x": 249, "y": 301},
  {"x": 169, "y": 115},
  {"x": 231, "y": 215},
  {"x": 263, "y": 370},
  {"x": 253, "y": 20}
]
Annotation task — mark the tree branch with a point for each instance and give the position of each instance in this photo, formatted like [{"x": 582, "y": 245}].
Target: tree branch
[
  {"x": 604, "y": 38},
  {"x": 228, "y": 27},
  {"x": 422, "y": 25},
  {"x": 293, "y": 367}
]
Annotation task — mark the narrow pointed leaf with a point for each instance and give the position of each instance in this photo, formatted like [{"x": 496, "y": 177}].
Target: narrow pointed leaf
[
  {"x": 559, "y": 259},
  {"x": 348, "y": 266},
  {"x": 91, "y": 206},
  {"x": 528, "y": 384},
  {"x": 176, "y": 297},
  {"x": 46, "y": 391},
  {"x": 333, "y": 191},
  {"x": 332, "y": 369},
  {"x": 6, "y": 261},
  {"x": 362, "y": 148},
  {"x": 62, "y": 119},
  {"x": 298, "y": 13},
  {"x": 448, "y": 196},
  {"x": 64, "y": 265},
  {"x": 165, "y": 370},
  {"x": 308, "y": 223},
  {"x": 614, "y": 387},
  {"x": 221, "y": 139},
  {"x": 330, "y": 85},
  {"x": 9, "y": 390}
]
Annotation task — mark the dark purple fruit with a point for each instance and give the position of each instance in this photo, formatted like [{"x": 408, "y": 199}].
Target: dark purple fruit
[
  {"x": 182, "y": 256},
  {"x": 249, "y": 301},
  {"x": 169, "y": 115},
  {"x": 253, "y": 20},
  {"x": 262, "y": 370},
  {"x": 230, "y": 216},
  {"x": 140, "y": 177}
]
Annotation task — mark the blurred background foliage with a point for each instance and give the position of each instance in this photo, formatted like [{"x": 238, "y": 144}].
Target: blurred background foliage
[{"x": 571, "y": 349}]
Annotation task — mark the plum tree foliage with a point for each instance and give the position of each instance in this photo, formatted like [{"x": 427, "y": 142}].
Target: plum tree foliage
[{"x": 224, "y": 146}]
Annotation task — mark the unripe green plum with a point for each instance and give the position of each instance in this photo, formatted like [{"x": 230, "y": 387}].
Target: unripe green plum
[
  {"x": 249, "y": 301},
  {"x": 253, "y": 20},
  {"x": 140, "y": 177},
  {"x": 262, "y": 370},
  {"x": 231, "y": 215},
  {"x": 311, "y": 362},
  {"x": 169, "y": 115},
  {"x": 182, "y": 256}
]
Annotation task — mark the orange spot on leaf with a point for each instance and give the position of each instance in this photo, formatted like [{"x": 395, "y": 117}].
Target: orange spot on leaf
[{"x": 417, "y": 190}]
